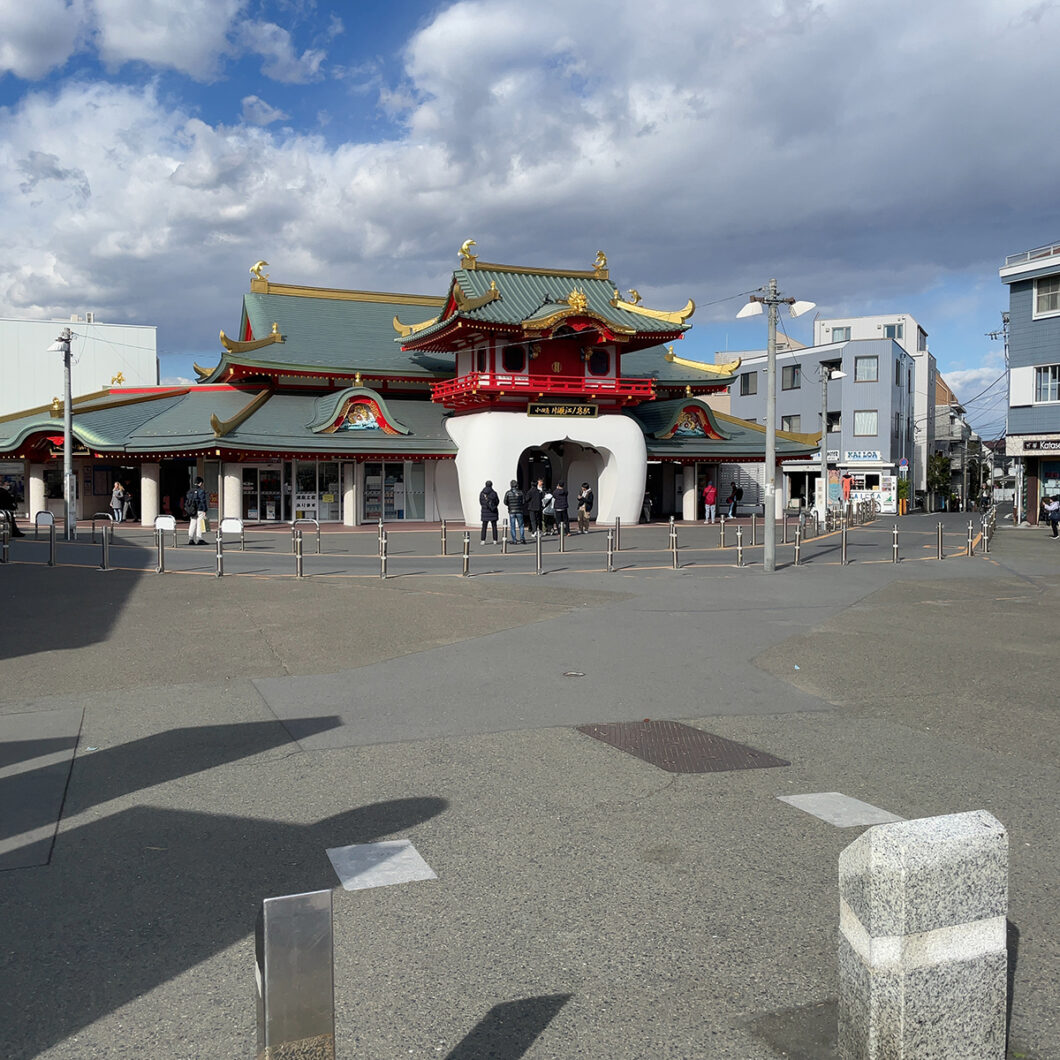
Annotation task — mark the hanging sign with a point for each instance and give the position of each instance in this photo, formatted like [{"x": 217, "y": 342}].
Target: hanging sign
[{"x": 538, "y": 408}]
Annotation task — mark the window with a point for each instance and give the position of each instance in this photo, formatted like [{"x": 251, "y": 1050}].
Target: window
[
  {"x": 514, "y": 358},
  {"x": 866, "y": 369},
  {"x": 866, "y": 423},
  {"x": 1047, "y": 296},
  {"x": 1047, "y": 383},
  {"x": 897, "y": 425},
  {"x": 748, "y": 384},
  {"x": 841, "y": 334},
  {"x": 898, "y": 374},
  {"x": 893, "y": 331},
  {"x": 791, "y": 377},
  {"x": 791, "y": 423},
  {"x": 835, "y": 422},
  {"x": 921, "y": 339},
  {"x": 599, "y": 362}
]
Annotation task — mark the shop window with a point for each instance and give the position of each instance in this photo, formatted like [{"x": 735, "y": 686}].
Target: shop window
[
  {"x": 514, "y": 358},
  {"x": 791, "y": 377},
  {"x": 866, "y": 423},
  {"x": 599, "y": 362}
]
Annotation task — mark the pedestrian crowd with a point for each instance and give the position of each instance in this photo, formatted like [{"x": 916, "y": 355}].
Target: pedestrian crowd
[{"x": 539, "y": 511}]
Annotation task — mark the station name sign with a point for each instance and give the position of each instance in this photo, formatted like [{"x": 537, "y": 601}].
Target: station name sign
[
  {"x": 559, "y": 408},
  {"x": 852, "y": 455},
  {"x": 1042, "y": 444}
]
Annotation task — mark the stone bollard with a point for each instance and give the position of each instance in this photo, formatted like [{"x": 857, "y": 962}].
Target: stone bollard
[{"x": 922, "y": 940}]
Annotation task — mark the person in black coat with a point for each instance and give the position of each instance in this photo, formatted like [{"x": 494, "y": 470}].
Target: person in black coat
[
  {"x": 515, "y": 502},
  {"x": 488, "y": 503},
  {"x": 8, "y": 504},
  {"x": 562, "y": 506},
  {"x": 535, "y": 497}
]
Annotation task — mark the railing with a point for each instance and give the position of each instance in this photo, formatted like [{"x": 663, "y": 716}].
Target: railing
[
  {"x": 1033, "y": 255},
  {"x": 481, "y": 386}
]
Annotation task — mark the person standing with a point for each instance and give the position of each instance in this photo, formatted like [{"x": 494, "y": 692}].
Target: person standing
[
  {"x": 117, "y": 501},
  {"x": 548, "y": 514},
  {"x": 585, "y": 506},
  {"x": 535, "y": 503},
  {"x": 710, "y": 502},
  {"x": 561, "y": 504},
  {"x": 195, "y": 509},
  {"x": 1052, "y": 513},
  {"x": 515, "y": 502},
  {"x": 8, "y": 504},
  {"x": 731, "y": 501},
  {"x": 488, "y": 502}
]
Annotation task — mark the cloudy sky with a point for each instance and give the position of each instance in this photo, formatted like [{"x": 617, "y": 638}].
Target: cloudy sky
[{"x": 872, "y": 155}]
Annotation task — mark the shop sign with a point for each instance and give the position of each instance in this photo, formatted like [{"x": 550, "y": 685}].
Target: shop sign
[
  {"x": 852, "y": 456},
  {"x": 539, "y": 408},
  {"x": 1042, "y": 445}
]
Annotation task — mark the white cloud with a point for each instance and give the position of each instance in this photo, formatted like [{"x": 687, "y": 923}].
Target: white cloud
[
  {"x": 257, "y": 112},
  {"x": 280, "y": 61},
  {"x": 190, "y": 36},
  {"x": 40, "y": 36},
  {"x": 970, "y": 383},
  {"x": 177, "y": 380}
]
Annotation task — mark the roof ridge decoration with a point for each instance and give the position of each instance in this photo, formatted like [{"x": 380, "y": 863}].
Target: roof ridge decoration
[
  {"x": 223, "y": 427},
  {"x": 692, "y": 419},
  {"x": 254, "y": 344},
  {"x": 677, "y": 317},
  {"x": 701, "y": 366},
  {"x": 470, "y": 261},
  {"x": 354, "y": 409}
]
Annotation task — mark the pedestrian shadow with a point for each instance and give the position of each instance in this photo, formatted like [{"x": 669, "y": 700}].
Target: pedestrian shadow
[
  {"x": 508, "y": 1030},
  {"x": 136, "y": 899}
]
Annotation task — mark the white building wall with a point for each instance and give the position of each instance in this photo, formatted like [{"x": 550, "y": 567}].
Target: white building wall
[{"x": 30, "y": 376}]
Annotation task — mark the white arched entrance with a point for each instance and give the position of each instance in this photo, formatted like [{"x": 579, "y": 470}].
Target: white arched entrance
[{"x": 491, "y": 443}]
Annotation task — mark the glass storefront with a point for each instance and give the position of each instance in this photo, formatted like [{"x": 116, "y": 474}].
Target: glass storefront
[
  {"x": 384, "y": 491},
  {"x": 261, "y": 493}
]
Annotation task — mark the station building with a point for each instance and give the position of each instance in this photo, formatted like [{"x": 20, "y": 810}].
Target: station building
[{"x": 350, "y": 406}]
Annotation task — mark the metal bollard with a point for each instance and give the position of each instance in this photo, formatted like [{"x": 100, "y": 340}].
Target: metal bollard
[
  {"x": 383, "y": 556},
  {"x": 843, "y": 541},
  {"x": 51, "y": 545},
  {"x": 104, "y": 563},
  {"x": 618, "y": 534},
  {"x": 676, "y": 561},
  {"x": 785, "y": 528},
  {"x": 298, "y": 554},
  {"x": 723, "y": 531},
  {"x": 739, "y": 546},
  {"x": 610, "y": 551},
  {"x": 220, "y": 573},
  {"x": 160, "y": 564},
  {"x": 443, "y": 538},
  {"x": 754, "y": 528},
  {"x": 504, "y": 541},
  {"x": 986, "y": 538},
  {"x": 467, "y": 555},
  {"x": 940, "y": 541},
  {"x": 971, "y": 539},
  {"x": 816, "y": 524},
  {"x": 798, "y": 545},
  {"x": 380, "y": 539},
  {"x": 894, "y": 545},
  {"x": 538, "y": 544},
  {"x": 562, "y": 538},
  {"x": 5, "y": 543}
]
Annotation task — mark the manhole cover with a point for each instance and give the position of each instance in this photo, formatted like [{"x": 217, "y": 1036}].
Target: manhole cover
[{"x": 680, "y": 748}]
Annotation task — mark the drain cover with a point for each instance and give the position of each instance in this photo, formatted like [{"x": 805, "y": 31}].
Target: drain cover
[{"x": 680, "y": 748}]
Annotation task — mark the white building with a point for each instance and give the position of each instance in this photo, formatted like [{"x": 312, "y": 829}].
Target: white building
[
  {"x": 904, "y": 330},
  {"x": 100, "y": 353}
]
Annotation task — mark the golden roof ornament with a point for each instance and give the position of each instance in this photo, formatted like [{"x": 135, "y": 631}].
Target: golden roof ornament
[
  {"x": 634, "y": 296},
  {"x": 57, "y": 406},
  {"x": 467, "y": 257},
  {"x": 601, "y": 260},
  {"x": 119, "y": 379},
  {"x": 357, "y": 379},
  {"x": 577, "y": 300},
  {"x": 255, "y": 270}
]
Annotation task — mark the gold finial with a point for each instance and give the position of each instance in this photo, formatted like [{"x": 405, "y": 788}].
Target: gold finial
[
  {"x": 466, "y": 254},
  {"x": 119, "y": 379},
  {"x": 493, "y": 285},
  {"x": 577, "y": 300},
  {"x": 255, "y": 270},
  {"x": 601, "y": 261},
  {"x": 275, "y": 328},
  {"x": 634, "y": 296},
  {"x": 670, "y": 350},
  {"x": 57, "y": 406},
  {"x": 688, "y": 390},
  {"x": 357, "y": 379}
]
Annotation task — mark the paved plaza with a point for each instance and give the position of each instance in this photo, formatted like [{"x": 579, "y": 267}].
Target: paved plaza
[{"x": 226, "y": 733}]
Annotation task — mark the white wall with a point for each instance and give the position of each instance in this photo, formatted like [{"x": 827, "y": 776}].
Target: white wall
[{"x": 30, "y": 376}]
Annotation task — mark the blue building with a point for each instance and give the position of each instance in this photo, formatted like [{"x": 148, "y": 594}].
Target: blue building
[{"x": 1033, "y": 434}]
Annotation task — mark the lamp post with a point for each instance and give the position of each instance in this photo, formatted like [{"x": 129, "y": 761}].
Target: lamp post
[
  {"x": 754, "y": 308},
  {"x": 62, "y": 345},
  {"x": 826, "y": 374}
]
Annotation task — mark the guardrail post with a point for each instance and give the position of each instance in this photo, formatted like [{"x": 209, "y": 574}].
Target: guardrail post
[
  {"x": 160, "y": 544},
  {"x": 298, "y": 554},
  {"x": 894, "y": 545},
  {"x": 971, "y": 539},
  {"x": 618, "y": 534},
  {"x": 537, "y": 541},
  {"x": 443, "y": 538},
  {"x": 383, "y": 555},
  {"x": 220, "y": 553},
  {"x": 610, "y": 551},
  {"x": 105, "y": 558},
  {"x": 294, "y": 538},
  {"x": 676, "y": 561},
  {"x": 754, "y": 528},
  {"x": 467, "y": 555},
  {"x": 798, "y": 545},
  {"x": 739, "y": 546}
]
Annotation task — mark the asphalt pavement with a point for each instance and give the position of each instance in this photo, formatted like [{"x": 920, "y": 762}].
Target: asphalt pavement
[{"x": 179, "y": 747}]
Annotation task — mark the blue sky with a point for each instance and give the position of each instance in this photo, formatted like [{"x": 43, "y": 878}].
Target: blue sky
[{"x": 872, "y": 156}]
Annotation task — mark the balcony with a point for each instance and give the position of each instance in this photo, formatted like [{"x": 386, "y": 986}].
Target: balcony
[{"x": 489, "y": 388}]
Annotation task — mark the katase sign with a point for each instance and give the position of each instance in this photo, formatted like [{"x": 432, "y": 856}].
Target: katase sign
[
  {"x": 1042, "y": 445},
  {"x": 852, "y": 456}
]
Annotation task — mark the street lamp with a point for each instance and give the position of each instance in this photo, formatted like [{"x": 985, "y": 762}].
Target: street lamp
[
  {"x": 754, "y": 308},
  {"x": 826, "y": 374},
  {"x": 62, "y": 345}
]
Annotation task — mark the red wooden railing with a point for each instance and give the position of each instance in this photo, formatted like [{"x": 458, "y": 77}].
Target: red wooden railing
[{"x": 483, "y": 387}]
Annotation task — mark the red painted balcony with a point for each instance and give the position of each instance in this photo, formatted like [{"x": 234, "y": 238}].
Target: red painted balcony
[{"x": 490, "y": 388}]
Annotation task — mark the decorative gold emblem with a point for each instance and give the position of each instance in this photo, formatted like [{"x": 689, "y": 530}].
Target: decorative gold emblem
[
  {"x": 57, "y": 406},
  {"x": 466, "y": 254},
  {"x": 556, "y": 366},
  {"x": 634, "y": 296},
  {"x": 601, "y": 261},
  {"x": 119, "y": 379},
  {"x": 577, "y": 300},
  {"x": 255, "y": 270},
  {"x": 357, "y": 379}
]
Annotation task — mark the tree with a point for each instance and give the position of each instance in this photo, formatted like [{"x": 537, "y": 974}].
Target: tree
[{"x": 938, "y": 473}]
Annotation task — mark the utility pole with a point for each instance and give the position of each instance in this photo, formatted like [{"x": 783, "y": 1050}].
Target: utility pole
[{"x": 62, "y": 345}]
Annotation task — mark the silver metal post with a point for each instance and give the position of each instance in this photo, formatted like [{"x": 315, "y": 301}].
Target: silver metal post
[
  {"x": 443, "y": 538},
  {"x": 986, "y": 537},
  {"x": 844, "y": 543},
  {"x": 940, "y": 542},
  {"x": 298, "y": 554},
  {"x": 971, "y": 540},
  {"x": 785, "y": 526},
  {"x": 562, "y": 538},
  {"x": 294, "y": 538},
  {"x": 798, "y": 545},
  {"x": 104, "y": 563},
  {"x": 618, "y": 534},
  {"x": 220, "y": 573},
  {"x": 160, "y": 565},
  {"x": 754, "y": 528},
  {"x": 610, "y": 551},
  {"x": 504, "y": 542},
  {"x": 51, "y": 545},
  {"x": 467, "y": 555},
  {"x": 380, "y": 540},
  {"x": 723, "y": 531},
  {"x": 769, "y": 554},
  {"x": 739, "y": 546},
  {"x": 318, "y": 539},
  {"x": 537, "y": 541},
  {"x": 816, "y": 525},
  {"x": 676, "y": 561},
  {"x": 894, "y": 545},
  {"x": 295, "y": 976},
  {"x": 5, "y": 543},
  {"x": 383, "y": 556}
]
